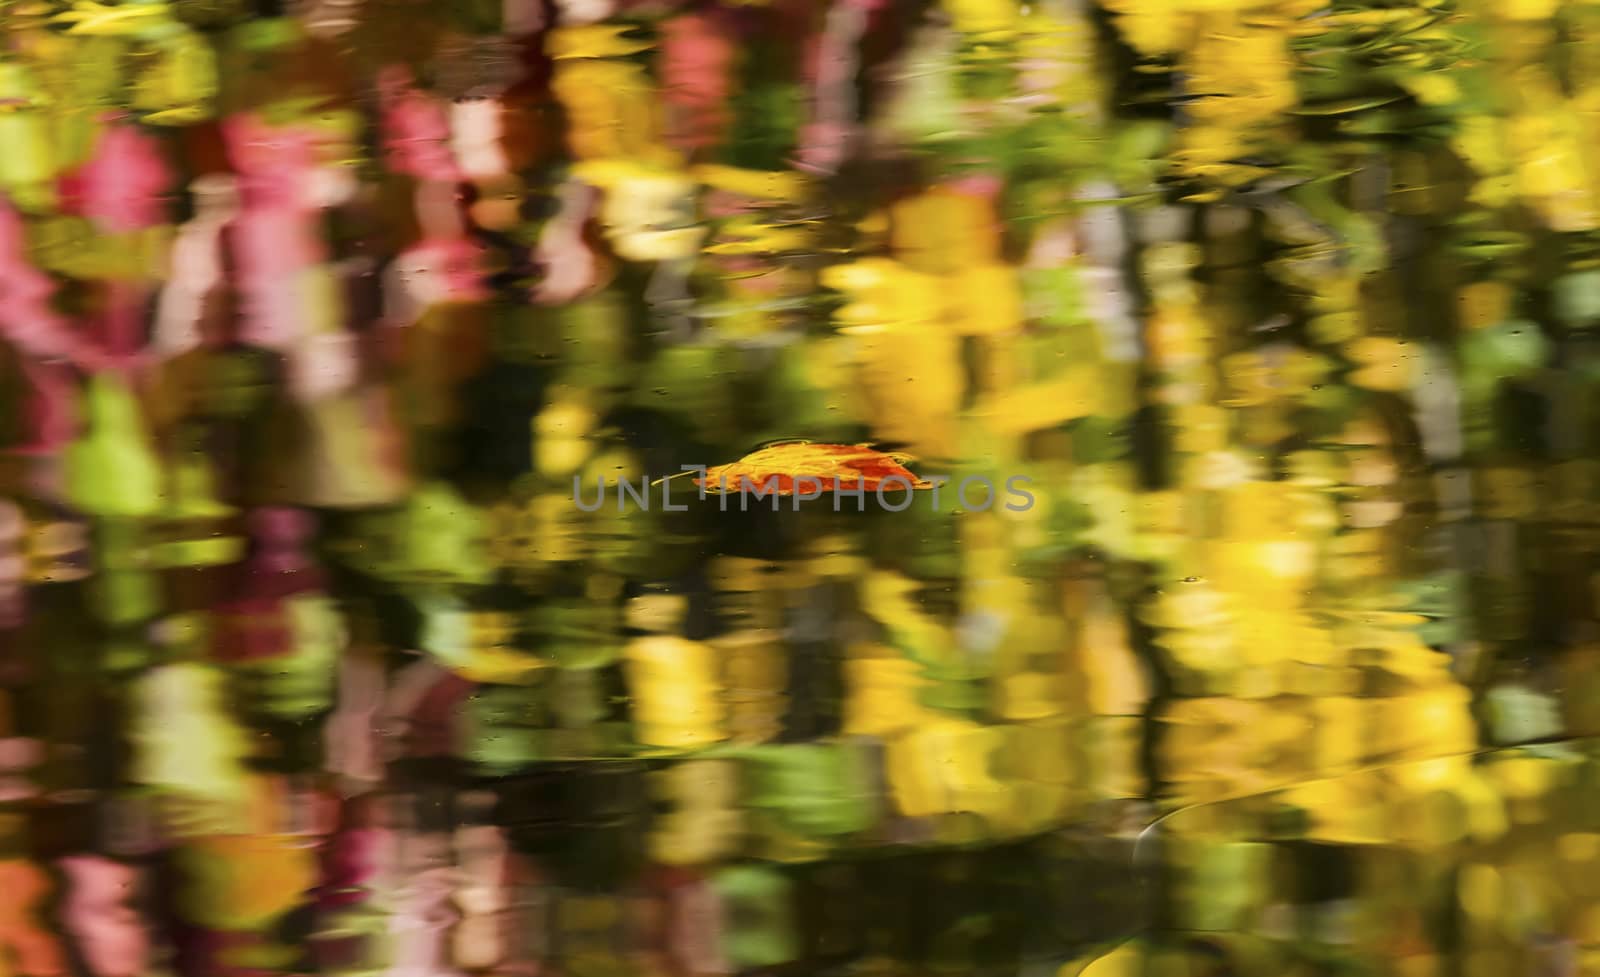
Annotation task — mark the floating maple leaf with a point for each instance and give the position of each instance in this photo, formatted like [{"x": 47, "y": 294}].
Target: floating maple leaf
[{"x": 778, "y": 467}]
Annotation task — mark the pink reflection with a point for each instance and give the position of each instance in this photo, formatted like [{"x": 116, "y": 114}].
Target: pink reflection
[
  {"x": 122, "y": 186},
  {"x": 278, "y": 237},
  {"x": 98, "y": 914},
  {"x": 696, "y": 59},
  {"x": 416, "y": 129}
]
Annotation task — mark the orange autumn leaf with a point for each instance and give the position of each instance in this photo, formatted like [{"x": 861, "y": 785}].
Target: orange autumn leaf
[{"x": 830, "y": 466}]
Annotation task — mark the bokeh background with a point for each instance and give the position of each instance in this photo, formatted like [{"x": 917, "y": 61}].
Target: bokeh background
[{"x": 310, "y": 314}]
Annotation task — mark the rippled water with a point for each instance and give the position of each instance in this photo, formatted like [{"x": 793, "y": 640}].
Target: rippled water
[{"x": 646, "y": 488}]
